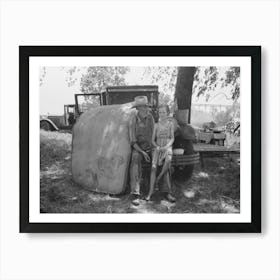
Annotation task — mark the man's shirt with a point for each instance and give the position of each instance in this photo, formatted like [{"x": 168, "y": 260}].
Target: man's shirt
[{"x": 141, "y": 131}]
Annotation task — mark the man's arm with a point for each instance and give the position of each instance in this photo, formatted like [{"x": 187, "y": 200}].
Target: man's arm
[
  {"x": 131, "y": 130},
  {"x": 145, "y": 155},
  {"x": 133, "y": 140}
]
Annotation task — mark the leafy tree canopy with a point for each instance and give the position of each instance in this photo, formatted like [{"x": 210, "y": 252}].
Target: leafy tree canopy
[
  {"x": 97, "y": 79},
  {"x": 208, "y": 80},
  {"x": 91, "y": 79},
  {"x": 165, "y": 78}
]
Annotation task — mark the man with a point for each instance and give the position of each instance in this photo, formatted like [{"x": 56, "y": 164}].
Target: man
[{"x": 141, "y": 131}]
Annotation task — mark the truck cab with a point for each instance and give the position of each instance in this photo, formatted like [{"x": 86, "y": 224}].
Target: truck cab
[{"x": 117, "y": 95}]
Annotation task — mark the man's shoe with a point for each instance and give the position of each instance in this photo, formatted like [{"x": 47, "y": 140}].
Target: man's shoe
[{"x": 170, "y": 198}]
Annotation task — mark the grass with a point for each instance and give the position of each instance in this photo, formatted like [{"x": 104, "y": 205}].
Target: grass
[{"x": 212, "y": 190}]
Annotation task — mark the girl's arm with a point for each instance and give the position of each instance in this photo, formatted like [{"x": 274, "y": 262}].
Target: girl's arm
[
  {"x": 154, "y": 136},
  {"x": 170, "y": 143}
]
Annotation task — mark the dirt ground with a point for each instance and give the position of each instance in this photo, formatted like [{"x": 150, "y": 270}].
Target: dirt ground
[{"x": 215, "y": 189}]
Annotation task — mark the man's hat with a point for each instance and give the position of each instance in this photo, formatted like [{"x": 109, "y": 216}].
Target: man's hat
[{"x": 140, "y": 101}]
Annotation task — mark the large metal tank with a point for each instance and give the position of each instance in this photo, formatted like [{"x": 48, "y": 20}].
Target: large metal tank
[{"x": 101, "y": 150}]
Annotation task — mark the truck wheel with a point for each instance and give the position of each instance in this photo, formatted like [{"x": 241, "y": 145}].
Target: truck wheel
[
  {"x": 45, "y": 125},
  {"x": 183, "y": 173}
]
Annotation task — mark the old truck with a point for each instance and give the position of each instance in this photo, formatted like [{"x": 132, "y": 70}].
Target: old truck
[
  {"x": 83, "y": 102},
  {"x": 55, "y": 122},
  {"x": 111, "y": 95}
]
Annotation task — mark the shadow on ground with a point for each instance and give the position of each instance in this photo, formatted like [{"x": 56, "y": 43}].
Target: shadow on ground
[{"x": 215, "y": 189}]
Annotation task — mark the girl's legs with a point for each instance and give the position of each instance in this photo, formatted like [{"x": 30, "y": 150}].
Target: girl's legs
[
  {"x": 152, "y": 182},
  {"x": 168, "y": 182},
  {"x": 169, "y": 196},
  {"x": 165, "y": 168}
]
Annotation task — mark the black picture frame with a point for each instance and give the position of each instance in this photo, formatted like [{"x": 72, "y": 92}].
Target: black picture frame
[{"x": 25, "y": 52}]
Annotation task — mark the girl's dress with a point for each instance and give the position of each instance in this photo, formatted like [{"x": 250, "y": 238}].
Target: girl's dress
[{"x": 164, "y": 132}]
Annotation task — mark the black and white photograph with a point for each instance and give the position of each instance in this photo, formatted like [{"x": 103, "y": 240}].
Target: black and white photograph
[{"x": 141, "y": 137}]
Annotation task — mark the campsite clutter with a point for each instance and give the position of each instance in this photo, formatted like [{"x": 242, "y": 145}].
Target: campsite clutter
[{"x": 101, "y": 150}]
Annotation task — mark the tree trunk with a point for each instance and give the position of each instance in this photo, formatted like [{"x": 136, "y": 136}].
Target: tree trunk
[
  {"x": 185, "y": 133},
  {"x": 183, "y": 89}
]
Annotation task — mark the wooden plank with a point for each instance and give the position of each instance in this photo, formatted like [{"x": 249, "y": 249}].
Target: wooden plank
[
  {"x": 186, "y": 162},
  {"x": 200, "y": 147},
  {"x": 185, "y": 159}
]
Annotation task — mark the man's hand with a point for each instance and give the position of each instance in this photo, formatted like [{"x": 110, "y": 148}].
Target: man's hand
[
  {"x": 146, "y": 156},
  {"x": 164, "y": 148}
]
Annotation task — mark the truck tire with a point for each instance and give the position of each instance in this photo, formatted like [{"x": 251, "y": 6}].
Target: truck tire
[{"x": 183, "y": 173}]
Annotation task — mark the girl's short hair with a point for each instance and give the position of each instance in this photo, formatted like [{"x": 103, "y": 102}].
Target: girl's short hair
[{"x": 166, "y": 108}]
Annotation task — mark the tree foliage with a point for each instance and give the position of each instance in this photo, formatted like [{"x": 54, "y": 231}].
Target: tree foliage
[
  {"x": 91, "y": 79},
  {"x": 71, "y": 74},
  {"x": 205, "y": 80},
  {"x": 208, "y": 80},
  {"x": 97, "y": 79},
  {"x": 165, "y": 78},
  {"x": 42, "y": 75},
  {"x": 233, "y": 79},
  {"x": 224, "y": 117}
]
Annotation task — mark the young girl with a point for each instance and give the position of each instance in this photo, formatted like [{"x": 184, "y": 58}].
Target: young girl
[{"x": 162, "y": 140}]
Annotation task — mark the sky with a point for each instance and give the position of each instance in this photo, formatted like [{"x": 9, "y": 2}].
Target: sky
[{"x": 55, "y": 92}]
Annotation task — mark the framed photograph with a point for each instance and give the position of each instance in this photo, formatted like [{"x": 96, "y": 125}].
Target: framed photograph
[{"x": 140, "y": 139}]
